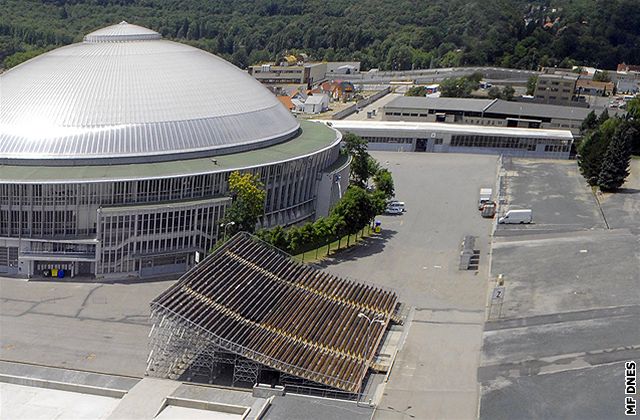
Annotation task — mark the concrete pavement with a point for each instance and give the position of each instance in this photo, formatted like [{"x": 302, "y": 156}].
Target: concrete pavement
[
  {"x": 88, "y": 326},
  {"x": 434, "y": 375},
  {"x": 569, "y": 319}
]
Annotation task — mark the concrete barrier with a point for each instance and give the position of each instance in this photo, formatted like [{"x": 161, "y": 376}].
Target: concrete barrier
[
  {"x": 62, "y": 386},
  {"x": 266, "y": 391},
  {"x": 205, "y": 405}
]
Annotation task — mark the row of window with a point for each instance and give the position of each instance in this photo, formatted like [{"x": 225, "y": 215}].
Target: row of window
[
  {"x": 126, "y": 238},
  {"x": 406, "y": 114},
  {"x": 556, "y": 148},
  {"x": 387, "y": 140},
  {"x": 495, "y": 142},
  {"x": 37, "y": 223},
  {"x": 154, "y": 190},
  {"x": 8, "y": 256}
]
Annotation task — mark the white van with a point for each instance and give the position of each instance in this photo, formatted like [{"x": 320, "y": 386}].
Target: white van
[
  {"x": 485, "y": 197},
  {"x": 517, "y": 216}
]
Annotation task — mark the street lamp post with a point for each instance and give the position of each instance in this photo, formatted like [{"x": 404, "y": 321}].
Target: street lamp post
[
  {"x": 226, "y": 226},
  {"x": 378, "y": 319}
]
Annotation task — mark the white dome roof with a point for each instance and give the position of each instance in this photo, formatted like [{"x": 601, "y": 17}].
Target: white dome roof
[{"x": 124, "y": 93}]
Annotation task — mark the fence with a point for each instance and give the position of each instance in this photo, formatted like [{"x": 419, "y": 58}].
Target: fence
[{"x": 361, "y": 104}]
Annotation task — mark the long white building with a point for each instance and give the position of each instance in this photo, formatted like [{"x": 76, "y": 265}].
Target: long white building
[{"x": 458, "y": 138}]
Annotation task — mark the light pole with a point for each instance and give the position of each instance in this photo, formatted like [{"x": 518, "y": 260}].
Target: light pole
[
  {"x": 226, "y": 226},
  {"x": 378, "y": 319}
]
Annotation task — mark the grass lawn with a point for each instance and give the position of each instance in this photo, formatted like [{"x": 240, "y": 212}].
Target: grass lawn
[{"x": 325, "y": 251}]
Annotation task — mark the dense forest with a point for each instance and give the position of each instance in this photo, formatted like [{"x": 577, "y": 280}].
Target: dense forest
[{"x": 387, "y": 34}]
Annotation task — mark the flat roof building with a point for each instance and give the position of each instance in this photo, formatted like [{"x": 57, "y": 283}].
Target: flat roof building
[
  {"x": 484, "y": 112},
  {"x": 556, "y": 89},
  {"x": 453, "y": 138},
  {"x": 303, "y": 74}
]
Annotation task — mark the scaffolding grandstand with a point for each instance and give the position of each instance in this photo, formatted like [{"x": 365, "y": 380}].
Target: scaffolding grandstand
[{"x": 252, "y": 306}]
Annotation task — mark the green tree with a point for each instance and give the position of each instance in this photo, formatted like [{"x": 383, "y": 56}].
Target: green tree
[
  {"x": 248, "y": 202},
  {"x": 494, "y": 92},
  {"x": 416, "y": 91},
  {"x": 459, "y": 87},
  {"x": 603, "y": 117},
  {"x": 590, "y": 156},
  {"x": 362, "y": 165},
  {"x": 589, "y": 123},
  {"x": 633, "y": 109},
  {"x": 615, "y": 165},
  {"x": 531, "y": 85},
  {"x": 633, "y": 116},
  {"x": 357, "y": 208},
  {"x": 384, "y": 182},
  {"x": 507, "y": 93},
  {"x": 20, "y": 57},
  {"x": 601, "y": 76}
]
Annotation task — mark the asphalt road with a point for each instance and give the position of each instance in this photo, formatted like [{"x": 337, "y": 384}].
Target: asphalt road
[
  {"x": 493, "y": 74},
  {"x": 556, "y": 345}
]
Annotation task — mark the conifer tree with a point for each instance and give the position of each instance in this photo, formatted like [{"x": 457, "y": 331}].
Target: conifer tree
[
  {"x": 591, "y": 154},
  {"x": 603, "y": 117},
  {"x": 615, "y": 165},
  {"x": 590, "y": 122}
]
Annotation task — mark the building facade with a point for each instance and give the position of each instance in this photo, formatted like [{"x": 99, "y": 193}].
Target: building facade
[
  {"x": 449, "y": 138},
  {"x": 485, "y": 112},
  {"x": 555, "y": 89},
  {"x": 116, "y": 154},
  {"x": 303, "y": 74}
]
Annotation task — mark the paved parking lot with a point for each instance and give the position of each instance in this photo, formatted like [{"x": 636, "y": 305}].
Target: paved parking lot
[
  {"x": 87, "y": 326},
  {"x": 556, "y": 346},
  {"x": 622, "y": 209},
  {"x": 434, "y": 376},
  {"x": 554, "y": 190},
  {"x": 568, "y": 320},
  {"x": 104, "y": 327}
]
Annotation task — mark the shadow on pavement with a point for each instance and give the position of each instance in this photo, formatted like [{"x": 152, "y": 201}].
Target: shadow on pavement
[
  {"x": 368, "y": 246},
  {"x": 628, "y": 191}
]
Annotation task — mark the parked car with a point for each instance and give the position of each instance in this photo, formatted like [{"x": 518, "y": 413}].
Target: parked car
[
  {"x": 395, "y": 207},
  {"x": 393, "y": 210},
  {"x": 489, "y": 210}
]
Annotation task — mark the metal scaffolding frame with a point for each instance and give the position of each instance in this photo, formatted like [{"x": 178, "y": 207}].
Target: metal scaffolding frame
[{"x": 251, "y": 306}]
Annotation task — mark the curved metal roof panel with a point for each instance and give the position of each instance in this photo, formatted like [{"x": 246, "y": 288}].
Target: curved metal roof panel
[
  {"x": 121, "y": 32},
  {"x": 139, "y": 97}
]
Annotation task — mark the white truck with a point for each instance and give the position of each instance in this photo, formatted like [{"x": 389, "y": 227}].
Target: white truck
[
  {"x": 485, "y": 197},
  {"x": 517, "y": 216}
]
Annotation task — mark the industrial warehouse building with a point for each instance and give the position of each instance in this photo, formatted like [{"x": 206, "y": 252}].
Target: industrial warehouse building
[
  {"x": 458, "y": 138},
  {"x": 485, "y": 112},
  {"x": 115, "y": 154}
]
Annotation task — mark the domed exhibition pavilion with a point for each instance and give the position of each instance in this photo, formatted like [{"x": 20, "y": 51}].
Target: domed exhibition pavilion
[{"x": 115, "y": 154}]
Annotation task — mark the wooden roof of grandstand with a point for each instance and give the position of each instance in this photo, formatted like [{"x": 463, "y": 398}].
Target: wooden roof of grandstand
[{"x": 255, "y": 301}]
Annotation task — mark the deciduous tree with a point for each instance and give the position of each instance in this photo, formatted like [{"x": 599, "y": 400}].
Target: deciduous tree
[
  {"x": 384, "y": 182},
  {"x": 248, "y": 202}
]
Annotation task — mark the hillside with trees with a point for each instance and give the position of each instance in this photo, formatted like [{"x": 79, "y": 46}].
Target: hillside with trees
[{"x": 400, "y": 34}]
